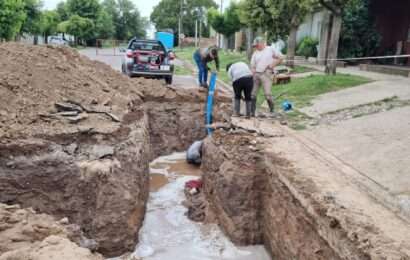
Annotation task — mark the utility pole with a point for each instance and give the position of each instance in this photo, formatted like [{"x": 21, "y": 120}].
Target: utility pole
[
  {"x": 180, "y": 24},
  {"x": 200, "y": 32},
  {"x": 196, "y": 33},
  {"x": 218, "y": 35}
]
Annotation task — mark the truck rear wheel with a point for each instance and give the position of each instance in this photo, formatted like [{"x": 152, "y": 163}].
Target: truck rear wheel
[{"x": 168, "y": 80}]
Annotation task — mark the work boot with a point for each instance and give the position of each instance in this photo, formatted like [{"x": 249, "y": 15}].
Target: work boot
[
  {"x": 237, "y": 107},
  {"x": 271, "y": 106},
  {"x": 248, "y": 109},
  {"x": 253, "y": 107}
]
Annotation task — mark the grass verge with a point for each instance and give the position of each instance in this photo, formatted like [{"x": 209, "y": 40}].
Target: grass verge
[{"x": 301, "y": 91}]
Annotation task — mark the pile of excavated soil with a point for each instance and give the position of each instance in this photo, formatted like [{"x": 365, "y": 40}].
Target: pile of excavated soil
[
  {"x": 25, "y": 234},
  {"x": 33, "y": 79}
]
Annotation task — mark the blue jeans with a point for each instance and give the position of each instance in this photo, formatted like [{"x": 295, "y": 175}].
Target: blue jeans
[{"x": 202, "y": 70}]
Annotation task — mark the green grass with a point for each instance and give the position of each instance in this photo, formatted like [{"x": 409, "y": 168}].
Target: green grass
[
  {"x": 181, "y": 70},
  {"x": 302, "y": 90},
  {"x": 301, "y": 69}
]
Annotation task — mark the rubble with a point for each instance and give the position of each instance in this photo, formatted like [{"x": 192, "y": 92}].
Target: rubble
[{"x": 24, "y": 234}]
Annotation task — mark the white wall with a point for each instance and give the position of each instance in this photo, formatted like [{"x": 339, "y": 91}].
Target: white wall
[{"x": 311, "y": 27}]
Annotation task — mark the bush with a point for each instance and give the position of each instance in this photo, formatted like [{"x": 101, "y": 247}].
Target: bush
[
  {"x": 359, "y": 36},
  {"x": 307, "y": 47}
]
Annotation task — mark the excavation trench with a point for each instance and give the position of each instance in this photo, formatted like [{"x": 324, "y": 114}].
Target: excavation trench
[
  {"x": 167, "y": 233},
  {"x": 78, "y": 147}
]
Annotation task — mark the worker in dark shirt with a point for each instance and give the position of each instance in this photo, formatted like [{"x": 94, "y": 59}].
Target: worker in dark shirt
[{"x": 202, "y": 57}]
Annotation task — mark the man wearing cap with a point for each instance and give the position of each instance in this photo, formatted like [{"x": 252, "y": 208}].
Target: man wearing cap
[{"x": 264, "y": 60}]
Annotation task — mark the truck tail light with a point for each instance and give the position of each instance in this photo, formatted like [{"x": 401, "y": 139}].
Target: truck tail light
[
  {"x": 171, "y": 56},
  {"x": 130, "y": 54}
]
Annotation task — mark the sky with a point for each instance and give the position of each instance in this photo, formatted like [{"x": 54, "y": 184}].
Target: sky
[{"x": 145, "y": 7}]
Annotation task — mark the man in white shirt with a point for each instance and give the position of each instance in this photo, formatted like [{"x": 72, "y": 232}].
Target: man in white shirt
[
  {"x": 264, "y": 60},
  {"x": 242, "y": 82}
]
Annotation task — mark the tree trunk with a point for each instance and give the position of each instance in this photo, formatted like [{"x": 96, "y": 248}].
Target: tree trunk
[
  {"x": 35, "y": 39},
  {"x": 324, "y": 38},
  {"x": 334, "y": 43},
  {"x": 225, "y": 42},
  {"x": 249, "y": 41},
  {"x": 292, "y": 46}
]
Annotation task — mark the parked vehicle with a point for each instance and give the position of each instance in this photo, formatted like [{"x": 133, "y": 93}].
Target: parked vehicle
[
  {"x": 57, "y": 40},
  {"x": 149, "y": 59}
]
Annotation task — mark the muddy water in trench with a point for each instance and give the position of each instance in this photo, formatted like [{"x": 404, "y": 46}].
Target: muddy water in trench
[{"x": 167, "y": 234}]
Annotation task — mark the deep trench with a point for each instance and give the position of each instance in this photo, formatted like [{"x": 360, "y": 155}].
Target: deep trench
[{"x": 99, "y": 180}]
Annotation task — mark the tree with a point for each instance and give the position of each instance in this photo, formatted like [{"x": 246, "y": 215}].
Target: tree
[
  {"x": 126, "y": 19},
  {"x": 32, "y": 23},
  {"x": 12, "y": 16},
  {"x": 227, "y": 23},
  {"x": 129, "y": 23},
  {"x": 82, "y": 28},
  {"x": 104, "y": 26},
  {"x": 166, "y": 15},
  {"x": 280, "y": 10},
  {"x": 279, "y": 18},
  {"x": 336, "y": 8},
  {"x": 62, "y": 10},
  {"x": 84, "y": 8},
  {"x": 359, "y": 37},
  {"x": 49, "y": 23}
]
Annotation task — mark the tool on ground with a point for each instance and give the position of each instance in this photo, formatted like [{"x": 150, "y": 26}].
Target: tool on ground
[{"x": 210, "y": 103}]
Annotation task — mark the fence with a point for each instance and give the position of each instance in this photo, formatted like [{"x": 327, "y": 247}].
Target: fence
[{"x": 109, "y": 47}]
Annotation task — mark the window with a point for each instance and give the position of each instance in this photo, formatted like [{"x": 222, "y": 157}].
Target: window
[{"x": 146, "y": 46}]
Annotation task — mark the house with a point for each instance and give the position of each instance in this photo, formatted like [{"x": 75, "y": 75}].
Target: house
[
  {"x": 392, "y": 20},
  {"x": 393, "y": 23}
]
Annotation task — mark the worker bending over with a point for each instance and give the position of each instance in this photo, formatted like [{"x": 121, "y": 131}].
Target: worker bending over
[
  {"x": 242, "y": 82},
  {"x": 263, "y": 62},
  {"x": 202, "y": 57}
]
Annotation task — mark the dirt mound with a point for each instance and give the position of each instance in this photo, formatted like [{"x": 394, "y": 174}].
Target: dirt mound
[
  {"x": 27, "y": 235},
  {"x": 34, "y": 78}
]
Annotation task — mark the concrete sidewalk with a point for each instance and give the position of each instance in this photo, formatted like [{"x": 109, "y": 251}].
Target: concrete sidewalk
[
  {"x": 377, "y": 145},
  {"x": 383, "y": 87}
]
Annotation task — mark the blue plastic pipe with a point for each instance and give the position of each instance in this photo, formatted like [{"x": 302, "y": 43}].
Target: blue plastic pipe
[{"x": 210, "y": 103}]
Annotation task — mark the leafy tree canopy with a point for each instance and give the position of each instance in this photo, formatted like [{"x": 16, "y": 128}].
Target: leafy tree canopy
[
  {"x": 165, "y": 15},
  {"x": 32, "y": 23},
  {"x": 12, "y": 16},
  {"x": 84, "y": 8},
  {"x": 275, "y": 17},
  {"x": 227, "y": 23},
  {"x": 80, "y": 27},
  {"x": 49, "y": 22},
  {"x": 359, "y": 36}
]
